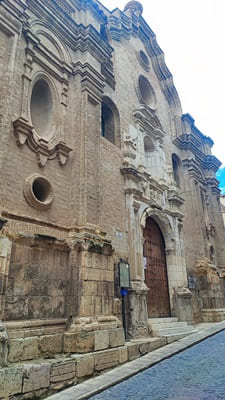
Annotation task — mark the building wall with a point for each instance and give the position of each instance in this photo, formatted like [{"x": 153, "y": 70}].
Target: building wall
[
  {"x": 222, "y": 200},
  {"x": 75, "y": 197}
]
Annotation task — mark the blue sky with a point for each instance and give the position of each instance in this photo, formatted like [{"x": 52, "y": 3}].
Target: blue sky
[{"x": 191, "y": 34}]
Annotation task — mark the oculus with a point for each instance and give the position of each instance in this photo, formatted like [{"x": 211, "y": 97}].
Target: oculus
[{"x": 38, "y": 192}]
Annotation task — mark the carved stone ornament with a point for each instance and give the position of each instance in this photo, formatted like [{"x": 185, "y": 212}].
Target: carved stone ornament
[
  {"x": 24, "y": 134},
  {"x": 40, "y": 124},
  {"x": 94, "y": 242},
  {"x": 148, "y": 122},
  {"x": 174, "y": 198},
  {"x": 210, "y": 230}
]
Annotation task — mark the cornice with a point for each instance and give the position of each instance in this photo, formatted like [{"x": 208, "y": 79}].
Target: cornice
[
  {"x": 174, "y": 198},
  {"x": 91, "y": 80},
  {"x": 63, "y": 26},
  {"x": 189, "y": 127},
  {"x": 194, "y": 170},
  {"x": 121, "y": 26},
  {"x": 212, "y": 163},
  {"x": 13, "y": 15},
  {"x": 148, "y": 121},
  {"x": 189, "y": 142},
  {"x": 131, "y": 173},
  {"x": 214, "y": 184}
]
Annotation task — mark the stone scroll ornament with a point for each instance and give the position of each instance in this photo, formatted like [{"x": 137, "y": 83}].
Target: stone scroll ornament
[{"x": 24, "y": 134}]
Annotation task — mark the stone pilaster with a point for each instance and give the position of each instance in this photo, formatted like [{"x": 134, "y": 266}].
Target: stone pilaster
[{"x": 90, "y": 117}]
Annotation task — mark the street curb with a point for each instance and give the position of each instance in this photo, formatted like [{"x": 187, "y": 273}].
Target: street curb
[{"x": 97, "y": 384}]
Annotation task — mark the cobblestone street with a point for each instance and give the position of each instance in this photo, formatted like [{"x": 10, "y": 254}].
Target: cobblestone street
[{"x": 197, "y": 373}]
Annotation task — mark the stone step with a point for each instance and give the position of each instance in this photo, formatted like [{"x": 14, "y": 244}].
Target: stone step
[
  {"x": 173, "y": 330},
  {"x": 176, "y": 336},
  {"x": 161, "y": 320},
  {"x": 160, "y": 325}
]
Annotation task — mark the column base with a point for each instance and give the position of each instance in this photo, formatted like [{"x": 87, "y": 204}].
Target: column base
[{"x": 138, "y": 321}]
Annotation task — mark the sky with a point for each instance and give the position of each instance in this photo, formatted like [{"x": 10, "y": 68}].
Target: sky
[{"x": 191, "y": 34}]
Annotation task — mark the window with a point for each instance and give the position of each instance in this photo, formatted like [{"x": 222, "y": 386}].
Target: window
[
  {"x": 147, "y": 94},
  {"x": 41, "y": 108},
  {"x": 110, "y": 122},
  {"x": 176, "y": 166},
  {"x": 149, "y": 149}
]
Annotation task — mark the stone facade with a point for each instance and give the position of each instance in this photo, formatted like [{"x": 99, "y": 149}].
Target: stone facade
[
  {"x": 222, "y": 200},
  {"x": 93, "y": 144}
]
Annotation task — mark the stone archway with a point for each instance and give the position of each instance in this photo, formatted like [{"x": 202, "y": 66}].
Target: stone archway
[{"x": 158, "y": 299}]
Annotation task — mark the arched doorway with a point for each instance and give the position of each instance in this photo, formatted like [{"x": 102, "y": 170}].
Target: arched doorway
[{"x": 158, "y": 302}]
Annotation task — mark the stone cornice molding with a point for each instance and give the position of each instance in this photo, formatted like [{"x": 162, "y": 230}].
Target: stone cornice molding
[
  {"x": 17, "y": 9},
  {"x": 67, "y": 8},
  {"x": 193, "y": 142},
  {"x": 148, "y": 122},
  {"x": 58, "y": 62},
  {"x": 201, "y": 176},
  {"x": 214, "y": 184},
  {"x": 125, "y": 25},
  {"x": 94, "y": 242},
  {"x": 91, "y": 80},
  {"x": 77, "y": 37},
  {"x": 35, "y": 240},
  {"x": 188, "y": 124},
  {"x": 93, "y": 6},
  {"x": 194, "y": 171},
  {"x": 189, "y": 143},
  {"x": 131, "y": 173},
  {"x": 212, "y": 163},
  {"x": 175, "y": 198}
]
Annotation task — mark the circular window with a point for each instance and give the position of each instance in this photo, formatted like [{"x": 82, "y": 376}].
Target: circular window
[
  {"x": 38, "y": 192},
  {"x": 146, "y": 92},
  {"x": 41, "y": 189},
  {"x": 41, "y": 108}
]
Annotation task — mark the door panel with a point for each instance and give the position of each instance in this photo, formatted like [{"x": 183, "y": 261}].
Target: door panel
[{"x": 156, "y": 271}]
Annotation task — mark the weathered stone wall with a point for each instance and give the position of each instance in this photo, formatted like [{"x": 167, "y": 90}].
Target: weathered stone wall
[
  {"x": 222, "y": 200},
  {"x": 37, "y": 283},
  {"x": 37, "y": 380},
  {"x": 75, "y": 202}
]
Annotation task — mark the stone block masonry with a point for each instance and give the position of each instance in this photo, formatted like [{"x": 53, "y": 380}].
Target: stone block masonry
[{"x": 43, "y": 377}]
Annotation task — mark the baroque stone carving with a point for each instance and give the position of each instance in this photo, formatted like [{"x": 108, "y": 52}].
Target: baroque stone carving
[{"x": 24, "y": 134}]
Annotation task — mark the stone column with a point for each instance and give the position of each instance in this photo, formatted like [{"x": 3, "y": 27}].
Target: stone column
[
  {"x": 93, "y": 326},
  {"x": 138, "y": 315}
]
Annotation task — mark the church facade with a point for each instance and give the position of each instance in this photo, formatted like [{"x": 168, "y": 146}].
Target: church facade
[{"x": 99, "y": 169}]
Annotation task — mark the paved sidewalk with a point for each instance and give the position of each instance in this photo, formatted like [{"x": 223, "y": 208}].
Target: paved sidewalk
[{"x": 95, "y": 385}]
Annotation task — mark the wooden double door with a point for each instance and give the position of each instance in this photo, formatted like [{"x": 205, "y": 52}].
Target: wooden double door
[{"x": 158, "y": 302}]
